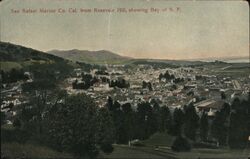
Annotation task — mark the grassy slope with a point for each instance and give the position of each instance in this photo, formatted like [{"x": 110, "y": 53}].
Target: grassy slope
[
  {"x": 160, "y": 139},
  {"x": 229, "y": 69},
  {"x": 164, "y": 141},
  {"x": 212, "y": 154},
  {"x": 7, "y": 66},
  {"x": 14, "y": 150},
  {"x": 125, "y": 152}
]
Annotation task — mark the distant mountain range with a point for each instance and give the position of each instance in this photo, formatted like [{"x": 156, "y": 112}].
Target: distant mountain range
[
  {"x": 235, "y": 59},
  {"x": 104, "y": 56},
  {"x": 17, "y": 56},
  {"x": 97, "y": 57}
]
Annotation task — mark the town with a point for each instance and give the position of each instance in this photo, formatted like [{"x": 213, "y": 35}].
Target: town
[{"x": 174, "y": 87}]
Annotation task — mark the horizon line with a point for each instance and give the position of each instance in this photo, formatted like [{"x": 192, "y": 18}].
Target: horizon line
[{"x": 142, "y": 58}]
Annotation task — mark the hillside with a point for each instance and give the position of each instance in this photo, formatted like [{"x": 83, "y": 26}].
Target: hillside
[
  {"x": 16, "y": 56},
  {"x": 97, "y": 57},
  {"x": 12, "y": 52}
]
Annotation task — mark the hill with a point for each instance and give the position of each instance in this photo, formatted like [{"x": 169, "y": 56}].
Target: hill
[
  {"x": 12, "y": 52},
  {"x": 96, "y": 57},
  {"x": 16, "y": 56}
]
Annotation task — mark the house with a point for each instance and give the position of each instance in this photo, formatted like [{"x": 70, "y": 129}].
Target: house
[{"x": 210, "y": 106}]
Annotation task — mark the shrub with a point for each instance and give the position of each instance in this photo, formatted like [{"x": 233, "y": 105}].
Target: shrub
[
  {"x": 107, "y": 148},
  {"x": 181, "y": 144}
]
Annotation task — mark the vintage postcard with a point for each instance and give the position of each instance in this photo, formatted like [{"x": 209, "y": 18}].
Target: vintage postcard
[{"x": 125, "y": 79}]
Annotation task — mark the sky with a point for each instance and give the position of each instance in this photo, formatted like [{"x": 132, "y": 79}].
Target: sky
[{"x": 197, "y": 29}]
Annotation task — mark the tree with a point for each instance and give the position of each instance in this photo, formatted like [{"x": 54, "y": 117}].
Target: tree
[
  {"x": 33, "y": 112},
  {"x": 191, "y": 122},
  {"x": 147, "y": 85},
  {"x": 204, "y": 127},
  {"x": 150, "y": 86},
  {"x": 238, "y": 129},
  {"x": 220, "y": 124},
  {"x": 105, "y": 130},
  {"x": 73, "y": 126},
  {"x": 161, "y": 76},
  {"x": 165, "y": 119},
  {"x": 120, "y": 83},
  {"x": 13, "y": 75},
  {"x": 167, "y": 76},
  {"x": 118, "y": 120},
  {"x": 178, "y": 121},
  {"x": 144, "y": 84},
  {"x": 146, "y": 123},
  {"x": 223, "y": 95},
  {"x": 128, "y": 124}
]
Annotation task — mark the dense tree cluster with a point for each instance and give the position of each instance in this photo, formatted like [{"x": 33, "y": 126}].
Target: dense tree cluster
[
  {"x": 184, "y": 123},
  {"x": 87, "y": 67},
  {"x": 199, "y": 77},
  {"x": 220, "y": 124},
  {"x": 165, "y": 119},
  {"x": 239, "y": 125},
  {"x": 141, "y": 123},
  {"x": 120, "y": 83},
  {"x": 166, "y": 76},
  {"x": 178, "y": 80},
  {"x": 39, "y": 85},
  {"x": 105, "y": 79},
  {"x": 87, "y": 81},
  {"x": 101, "y": 72},
  {"x": 191, "y": 122},
  {"x": 13, "y": 75},
  {"x": 177, "y": 123},
  {"x": 75, "y": 125},
  {"x": 122, "y": 116},
  {"x": 79, "y": 125},
  {"x": 51, "y": 71},
  {"x": 204, "y": 127}
]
